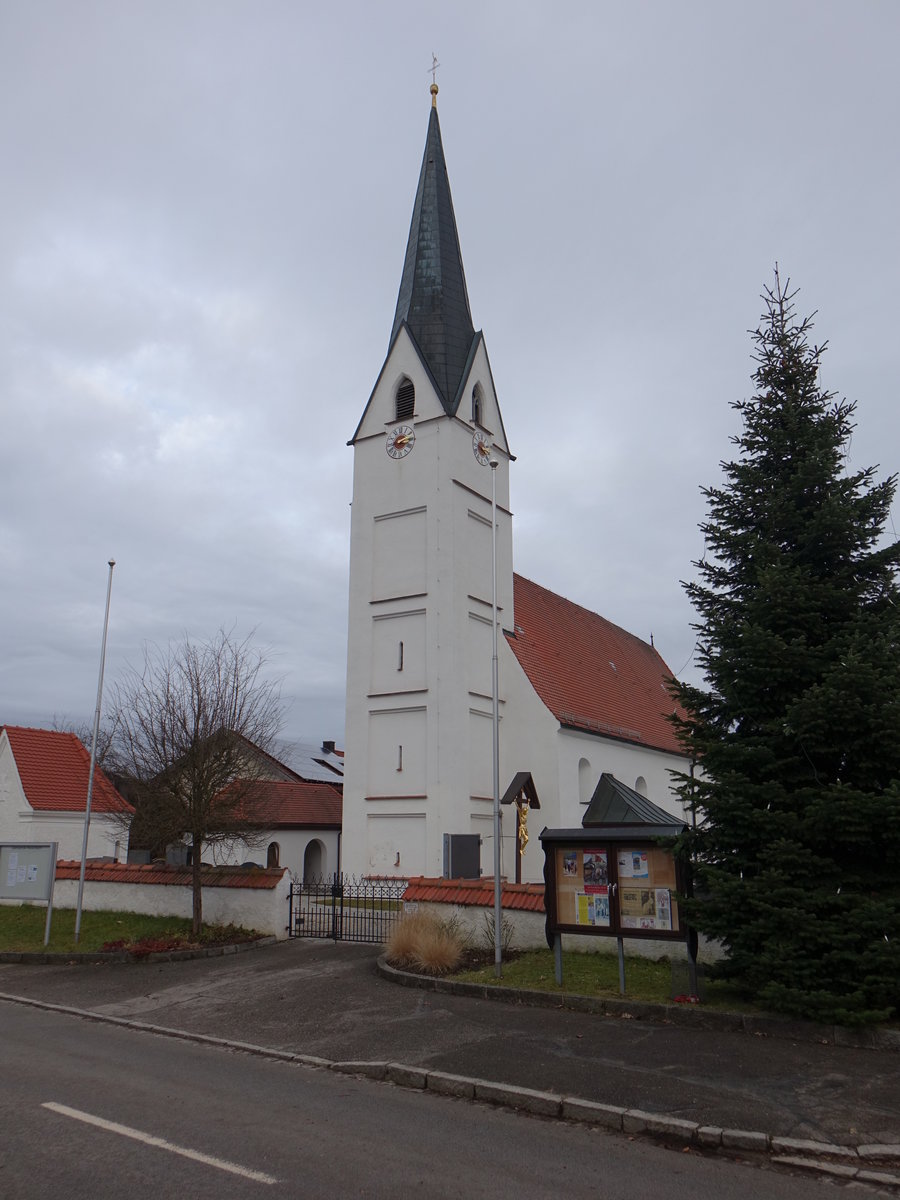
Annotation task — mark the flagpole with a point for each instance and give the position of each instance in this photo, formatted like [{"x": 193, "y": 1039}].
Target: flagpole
[
  {"x": 495, "y": 696},
  {"x": 94, "y": 739}
]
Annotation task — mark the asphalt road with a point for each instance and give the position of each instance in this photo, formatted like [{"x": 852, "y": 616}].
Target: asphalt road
[
  {"x": 81, "y": 1099},
  {"x": 324, "y": 999}
]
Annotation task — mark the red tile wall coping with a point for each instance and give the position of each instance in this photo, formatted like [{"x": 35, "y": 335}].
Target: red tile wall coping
[
  {"x": 526, "y": 897},
  {"x": 159, "y": 873}
]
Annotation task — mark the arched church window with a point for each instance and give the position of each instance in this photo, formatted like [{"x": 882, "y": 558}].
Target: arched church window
[
  {"x": 585, "y": 781},
  {"x": 405, "y": 400},
  {"x": 273, "y": 855},
  {"x": 477, "y": 405},
  {"x": 640, "y": 785}
]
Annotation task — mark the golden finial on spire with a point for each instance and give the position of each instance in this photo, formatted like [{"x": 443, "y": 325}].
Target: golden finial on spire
[{"x": 434, "y": 87}]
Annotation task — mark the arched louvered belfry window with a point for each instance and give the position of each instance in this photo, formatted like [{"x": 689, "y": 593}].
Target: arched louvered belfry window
[
  {"x": 477, "y": 405},
  {"x": 405, "y": 400}
]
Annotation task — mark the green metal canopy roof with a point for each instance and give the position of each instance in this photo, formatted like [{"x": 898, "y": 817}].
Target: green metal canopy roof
[
  {"x": 433, "y": 302},
  {"x": 615, "y": 803}
]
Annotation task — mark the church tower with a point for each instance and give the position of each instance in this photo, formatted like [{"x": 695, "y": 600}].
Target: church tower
[{"x": 418, "y": 733}]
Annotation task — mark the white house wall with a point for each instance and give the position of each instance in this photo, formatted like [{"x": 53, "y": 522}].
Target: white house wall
[{"x": 292, "y": 846}]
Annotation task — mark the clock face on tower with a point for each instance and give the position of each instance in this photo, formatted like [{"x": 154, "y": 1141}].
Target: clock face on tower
[
  {"x": 481, "y": 447},
  {"x": 400, "y": 441}
]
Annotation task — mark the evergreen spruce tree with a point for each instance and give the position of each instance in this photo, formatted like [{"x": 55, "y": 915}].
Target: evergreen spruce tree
[{"x": 797, "y": 741}]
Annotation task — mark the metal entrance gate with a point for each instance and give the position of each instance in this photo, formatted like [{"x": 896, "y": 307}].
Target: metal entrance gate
[{"x": 345, "y": 909}]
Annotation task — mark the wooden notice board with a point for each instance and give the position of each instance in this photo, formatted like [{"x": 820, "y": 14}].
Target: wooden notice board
[{"x": 621, "y": 889}]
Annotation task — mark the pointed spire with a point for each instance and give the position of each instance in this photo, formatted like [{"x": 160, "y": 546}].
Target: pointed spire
[{"x": 433, "y": 300}]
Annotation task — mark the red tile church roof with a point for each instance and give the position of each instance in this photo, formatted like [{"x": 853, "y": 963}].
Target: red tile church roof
[
  {"x": 53, "y": 769},
  {"x": 591, "y": 674}
]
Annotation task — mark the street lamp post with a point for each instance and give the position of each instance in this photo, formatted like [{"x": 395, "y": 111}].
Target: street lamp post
[{"x": 495, "y": 696}]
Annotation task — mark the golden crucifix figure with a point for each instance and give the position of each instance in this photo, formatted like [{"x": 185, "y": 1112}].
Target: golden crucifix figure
[{"x": 522, "y": 808}]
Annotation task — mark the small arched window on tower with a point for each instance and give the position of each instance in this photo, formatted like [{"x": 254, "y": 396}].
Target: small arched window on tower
[
  {"x": 405, "y": 400},
  {"x": 477, "y": 405}
]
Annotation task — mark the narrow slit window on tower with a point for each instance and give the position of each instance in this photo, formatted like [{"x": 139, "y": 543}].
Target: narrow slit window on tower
[
  {"x": 400, "y": 657},
  {"x": 477, "y": 405},
  {"x": 399, "y": 758},
  {"x": 405, "y": 400}
]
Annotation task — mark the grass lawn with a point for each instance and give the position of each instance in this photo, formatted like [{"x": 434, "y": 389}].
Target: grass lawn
[
  {"x": 22, "y": 929},
  {"x": 598, "y": 975}
]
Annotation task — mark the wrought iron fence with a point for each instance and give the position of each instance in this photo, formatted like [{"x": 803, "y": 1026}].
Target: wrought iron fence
[{"x": 344, "y": 908}]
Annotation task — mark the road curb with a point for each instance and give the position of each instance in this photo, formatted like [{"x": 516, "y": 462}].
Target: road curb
[
  {"x": 752, "y": 1024},
  {"x": 826, "y": 1158}
]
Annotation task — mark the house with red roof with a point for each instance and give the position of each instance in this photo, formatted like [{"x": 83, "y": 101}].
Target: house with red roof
[
  {"x": 297, "y": 800},
  {"x": 43, "y": 795},
  {"x": 431, "y": 554}
]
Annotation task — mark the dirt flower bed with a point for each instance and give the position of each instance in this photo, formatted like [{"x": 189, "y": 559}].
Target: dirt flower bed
[{"x": 213, "y": 935}]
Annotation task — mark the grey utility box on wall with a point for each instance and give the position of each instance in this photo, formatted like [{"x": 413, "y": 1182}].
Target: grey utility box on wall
[{"x": 462, "y": 856}]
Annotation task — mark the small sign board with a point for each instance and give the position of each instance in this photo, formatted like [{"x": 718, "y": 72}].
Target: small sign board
[{"x": 27, "y": 870}]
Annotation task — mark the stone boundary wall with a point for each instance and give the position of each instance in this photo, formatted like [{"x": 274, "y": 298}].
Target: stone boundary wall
[
  {"x": 528, "y": 933},
  {"x": 238, "y": 902}
]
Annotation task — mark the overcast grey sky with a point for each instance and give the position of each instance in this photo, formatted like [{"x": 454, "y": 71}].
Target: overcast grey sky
[{"x": 202, "y": 226}]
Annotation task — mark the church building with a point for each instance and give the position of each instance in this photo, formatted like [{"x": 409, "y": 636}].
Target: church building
[{"x": 578, "y": 696}]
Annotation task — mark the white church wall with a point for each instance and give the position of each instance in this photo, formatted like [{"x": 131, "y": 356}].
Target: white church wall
[
  {"x": 403, "y": 362},
  {"x": 395, "y": 842},
  {"x": 481, "y": 751},
  {"x": 566, "y": 766},
  {"x": 527, "y": 743},
  {"x": 478, "y": 653},
  {"x": 398, "y": 763},
  {"x": 583, "y": 757},
  {"x": 399, "y": 651},
  {"x": 409, "y": 582},
  {"x": 399, "y": 557}
]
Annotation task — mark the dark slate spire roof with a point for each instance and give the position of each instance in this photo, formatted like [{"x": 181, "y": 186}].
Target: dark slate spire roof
[{"x": 433, "y": 301}]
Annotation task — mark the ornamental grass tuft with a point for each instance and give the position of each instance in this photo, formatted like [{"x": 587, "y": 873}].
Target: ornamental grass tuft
[{"x": 422, "y": 942}]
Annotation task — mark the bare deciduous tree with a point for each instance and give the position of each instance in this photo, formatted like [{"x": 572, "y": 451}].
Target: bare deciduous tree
[{"x": 181, "y": 725}]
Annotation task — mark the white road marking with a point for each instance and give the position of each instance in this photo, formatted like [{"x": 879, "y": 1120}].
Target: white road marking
[{"x": 149, "y": 1140}]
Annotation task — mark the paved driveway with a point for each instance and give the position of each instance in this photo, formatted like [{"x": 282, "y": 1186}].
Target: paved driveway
[{"x": 325, "y": 999}]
